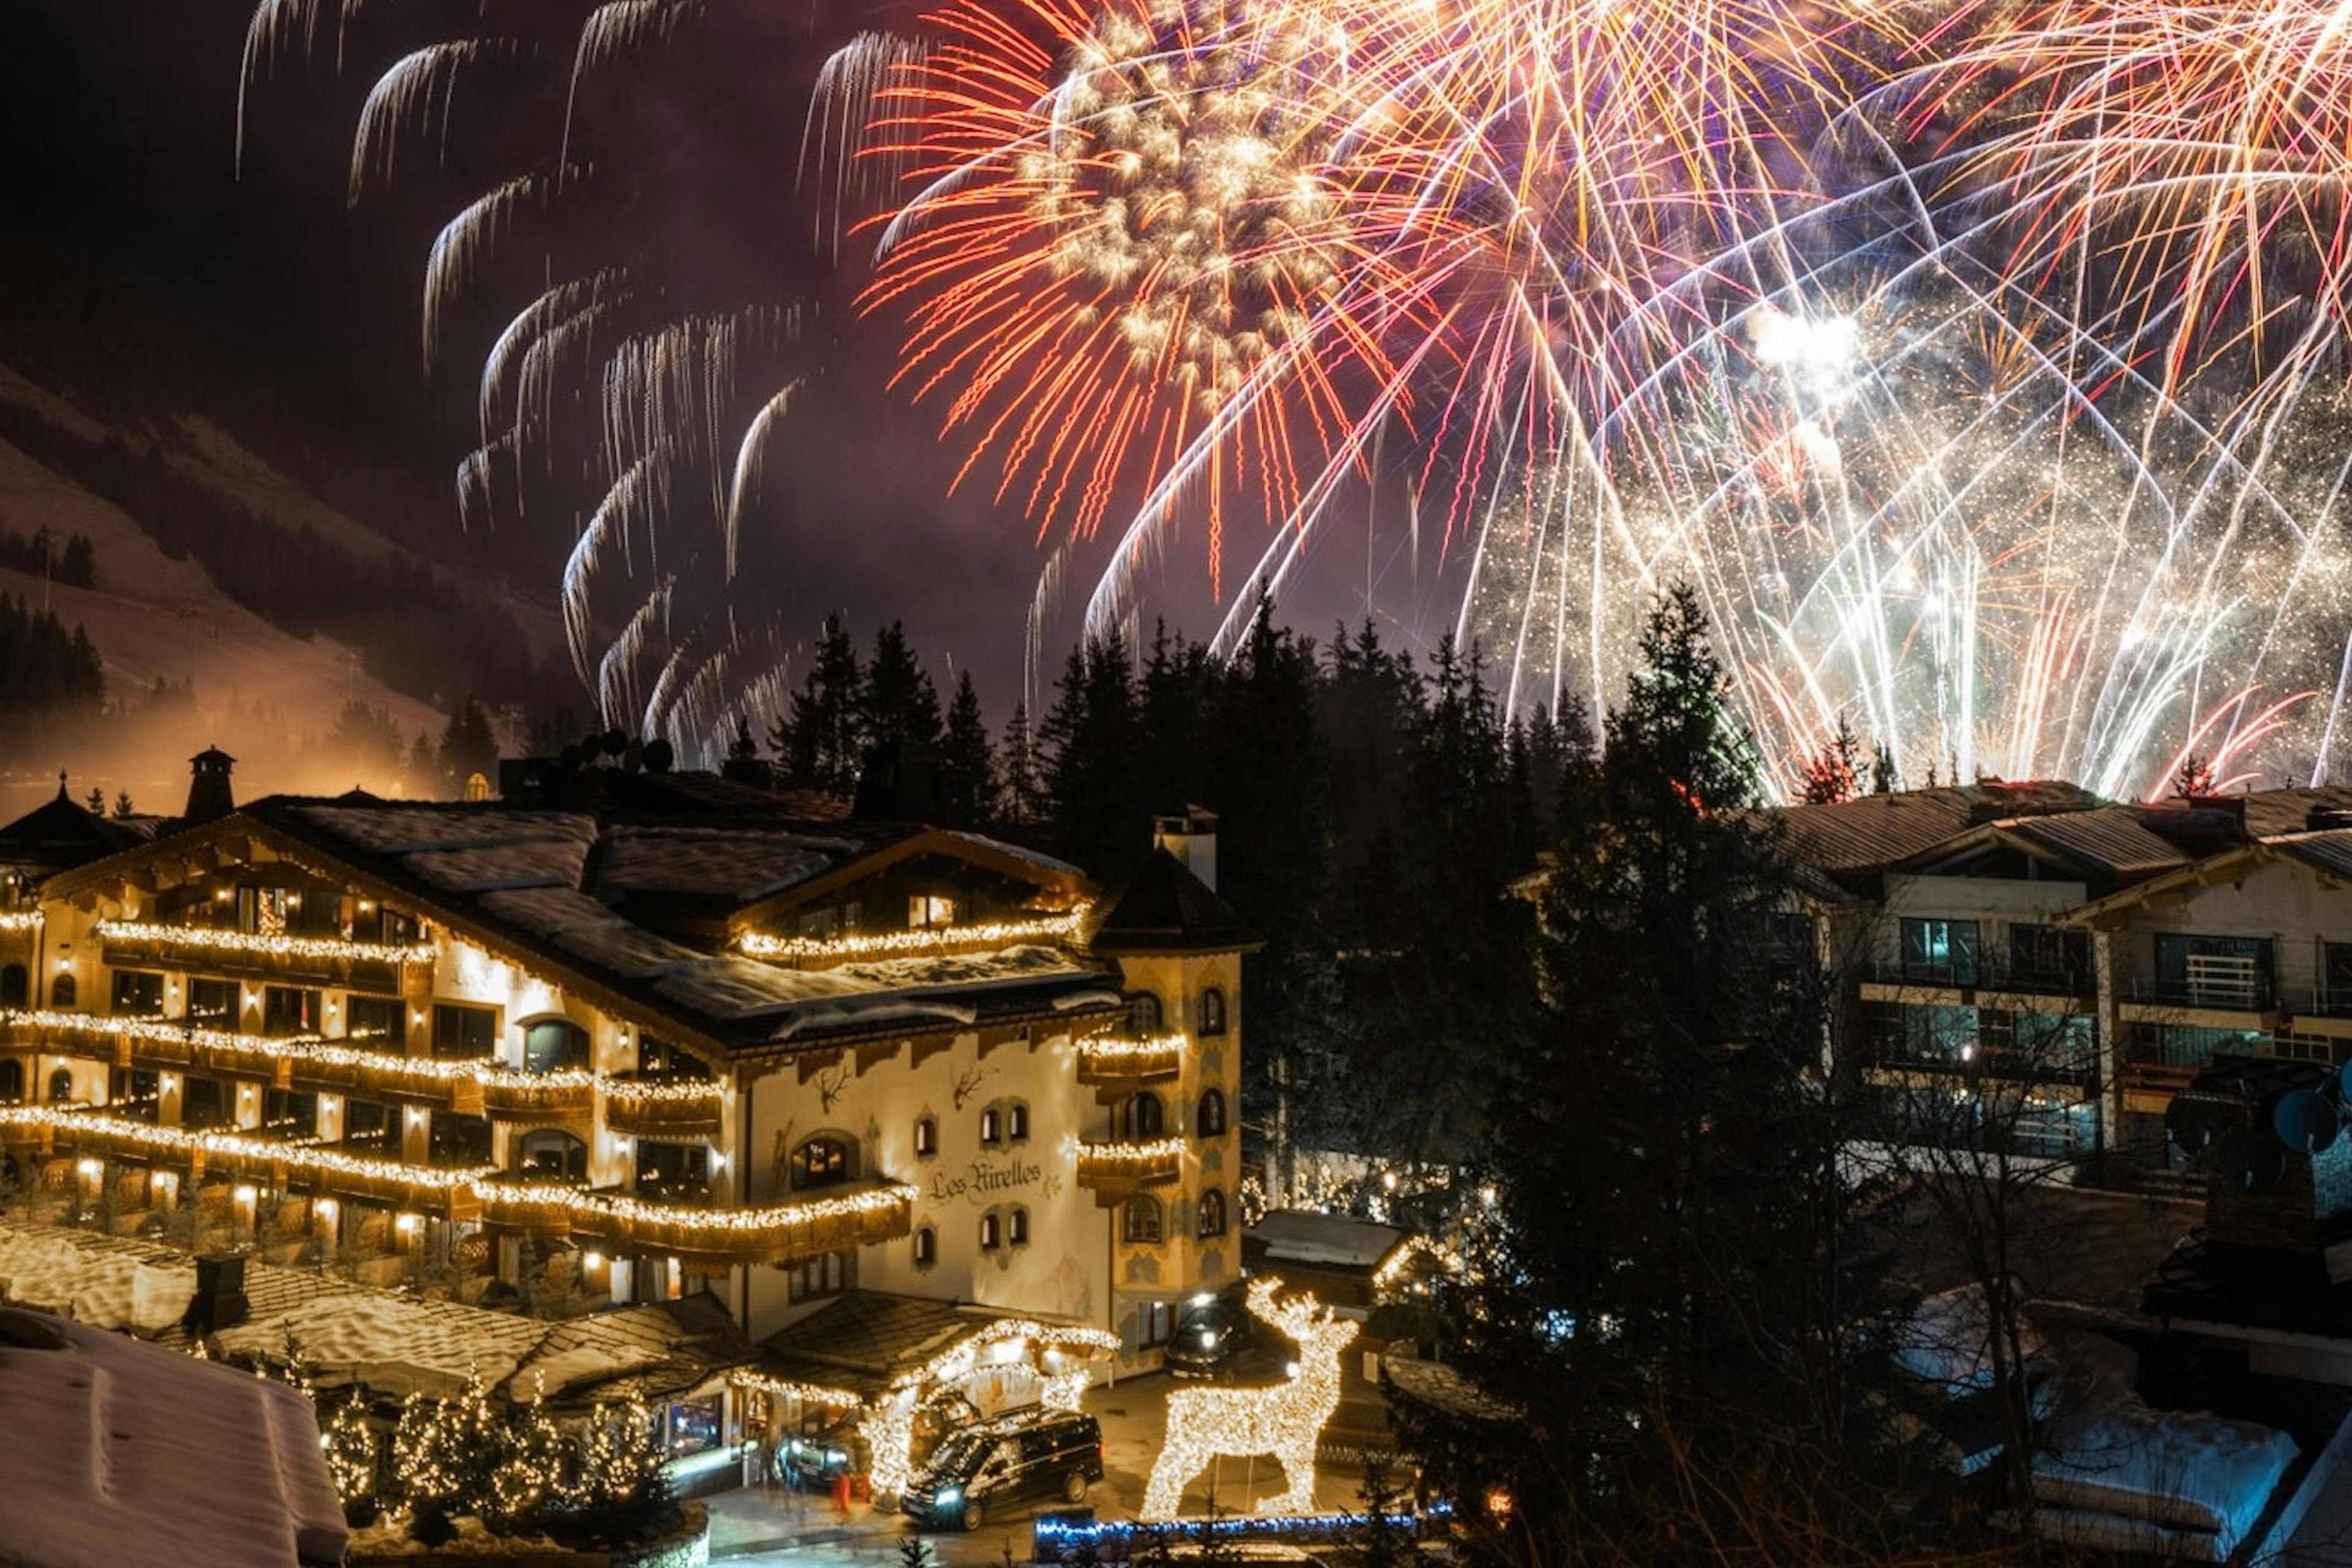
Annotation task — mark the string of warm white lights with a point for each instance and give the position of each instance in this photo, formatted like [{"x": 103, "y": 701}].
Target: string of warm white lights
[
  {"x": 1110, "y": 1048},
  {"x": 1285, "y": 1420},
  {"x": 624, "y": 1209},
  {"x": 1122, "y": 1155},
  {"x": 19, "y": 919},
  {"x": 640, "y": 1091},
  {"x": 304, "y": 1158},
  {"x": 925, "y": 940},
  {"x": 386, "y": 1067},
  {"x": 205, "y": 939}
]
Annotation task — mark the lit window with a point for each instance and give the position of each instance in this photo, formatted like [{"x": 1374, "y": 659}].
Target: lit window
[
  {"x": 926, "y": 912},
  {"x": 1016, "y": 1121},
  {"x": 926, "y": 1136},
  {"x": 1213, "y": 1011},
  {"x": 992, "y": 1126},
  {"x": 1143, "y": 1015},
  {"x": 1210, "y": 1118},
  {"x": 1212, "y": 1213},
  {"x": 990, "y": 1233},
  {"x": 820, "y": 1163},
  {"x": 1139, "y": 1221}
]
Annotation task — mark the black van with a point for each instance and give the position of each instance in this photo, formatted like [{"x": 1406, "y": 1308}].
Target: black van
[{"x": 988, "y": 1470}]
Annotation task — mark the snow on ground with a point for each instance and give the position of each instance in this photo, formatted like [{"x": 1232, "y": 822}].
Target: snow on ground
[{"x": 109, "y": 1288}]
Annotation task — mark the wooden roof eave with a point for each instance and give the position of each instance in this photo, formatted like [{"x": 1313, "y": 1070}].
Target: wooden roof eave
[
  {"x": 2108, "y": 913},
  {"x": 778, "y": 1052},
  {"x": 929, "y": 841}
]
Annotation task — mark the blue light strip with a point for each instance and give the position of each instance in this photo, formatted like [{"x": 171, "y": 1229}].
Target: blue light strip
[{"x": 1120, "y": 1536}]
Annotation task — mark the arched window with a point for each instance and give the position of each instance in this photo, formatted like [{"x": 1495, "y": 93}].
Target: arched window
[
  {"x": 823, "y": 1162},
  {"x": 926, "y": 1136},
  {"x": 551, "y": 1153},
  {"x": 1143, "y": 1117},
  {"x": 992, "y": 1125},
  {"x": 1016, "y": 1121},
  {"x": 62, "y": 991},
  {"x": 1213, "y": 1011},
  {"x": 1139, "y": 1221},
  {"x": 1212, "y": 1213},
  {"x": 15, "y": 986},
  {"x": 992, "y": 1232},
  {"x": 1143, "y": 1015},
  {"x": 554, "y": 1044},
  {"x": 60, "y": 1086},
  {"x": 12, "y": 1080},
  {"x": 1210, "y": 1121},
  {"x": 1017, "y": 1226},
  {"x": 926, "y": 1247}
]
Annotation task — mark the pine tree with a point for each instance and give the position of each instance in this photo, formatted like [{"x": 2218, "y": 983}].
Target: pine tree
[
  {"x": 968, "y": 786},
  {"x": 2193, "y": 779},
  {"x": 1023, "y": 813},
  {"x": 1882, "y": 769},
  {"x": 468, "y": 745},
  {"x": 94, "y": 802},
  {"x": 823, "y": 741},
  {"x": 896, "y": 700},
  {"x": 78, "y": 567},
  {"x": 1093, "y": 744},
  {"x": 122, "y": 806},
  {"x": 1834, "y": 772}
]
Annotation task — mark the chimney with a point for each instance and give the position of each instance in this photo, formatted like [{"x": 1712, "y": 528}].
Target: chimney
[
  {"x": 1192, "y": 838},
  {"x": 210, "y": 796}
]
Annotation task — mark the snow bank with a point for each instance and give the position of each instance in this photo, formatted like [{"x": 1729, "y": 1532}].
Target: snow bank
[{"x": 2175, "y": 1470}]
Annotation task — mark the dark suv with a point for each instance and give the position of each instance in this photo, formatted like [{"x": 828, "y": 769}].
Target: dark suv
[
  {"x": 984, "y": 1471},
  {"x": 1210, "y": 1337}
]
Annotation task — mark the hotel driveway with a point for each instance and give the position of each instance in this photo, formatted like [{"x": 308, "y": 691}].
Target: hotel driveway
[{"x": 750, "y": 1527}]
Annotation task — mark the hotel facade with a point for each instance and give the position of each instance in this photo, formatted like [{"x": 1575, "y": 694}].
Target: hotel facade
[{"x": 632, "y": 1038}]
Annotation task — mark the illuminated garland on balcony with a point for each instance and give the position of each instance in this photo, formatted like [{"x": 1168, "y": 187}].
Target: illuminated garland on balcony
[
  {"x": 628, "y": 1210},
  {"x": 1106, "y": 1048},
  {"x": 1138, "y": 1155},
  {"x": 639, "y": 1091},
  {"x": 309, "y": 1159},
  {"x": 204, "y": 939},
  {"x": 821, "y": 950},
  {"x": 19, "y": 919},
  {"x": 300, "y": 1048}
]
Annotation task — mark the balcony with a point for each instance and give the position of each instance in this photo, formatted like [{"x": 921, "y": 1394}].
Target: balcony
[
  {"x": 511, "y": 1096},
  {"x": 309, "y": 959},
  {"x": 2149, "y": 1087},
  {"x": 1977, "y": 984},
  {"x": 1125, "y": 1065},
  {"x": 1117, "y": 1171},
  {"x": 860, "y": 1214},
  {"x": 676, "y": 1108},
  {"x": 2222, "y": 993}
]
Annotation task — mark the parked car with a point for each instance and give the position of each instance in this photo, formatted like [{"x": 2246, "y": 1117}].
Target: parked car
[
  {"x": 988, "y": 1470},
  {"x": 1212, "y": 1332}
]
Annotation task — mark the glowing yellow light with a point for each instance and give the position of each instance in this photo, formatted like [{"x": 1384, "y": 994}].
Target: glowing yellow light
[
  {"x": 93, "y": 1169},
  {"x": 1159, "y": 1053},
  {"x": 408, "y": 1223},
  {"x": 246, "y": 1196},
  {"x": 202, "y": 938},
  {"x": 821, "y": 950},
  {"x": 1285, "y": 1421},
  {"x": 327, "y": 1209},
  {"x": 592, "y": 1262},
  {"x": 19, "y": 919}
]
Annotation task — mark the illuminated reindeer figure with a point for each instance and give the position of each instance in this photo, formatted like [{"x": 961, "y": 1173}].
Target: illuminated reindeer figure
[{"x": 1286, "y": 1420}]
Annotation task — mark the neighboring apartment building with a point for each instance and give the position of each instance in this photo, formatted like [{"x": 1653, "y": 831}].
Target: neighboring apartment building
[
  {"x": 638, "y": 1034},
  {"x": 2093, "y": 955}
]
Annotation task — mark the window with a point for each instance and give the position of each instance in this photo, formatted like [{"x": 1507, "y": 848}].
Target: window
[
  {"x": 460, "y": 1140},
  {"x": 204, "y": 1103},
  {"x": 926, "y": 1136},
  {"x": 827, "y": 1275},
  {"x": 2335, "y": 979},
  {"x": 660, "y": 1057},
  {"x": 290, "y": 1111},
  {"x": 554, "y": 1045},
  {"x": 672, "y": 1167},
  {"x": 1016, "y": 1121},
  {"x": 1143, "y": 1015},
  {"x": 371, "y": 1124},
  {"x": 821, "y": 1163},
  {"x": 16, "y": 988},
  {"x": 992, "y": 1126},
  {"x": 137, "y": 993},
  {"x": 464, "y": 1031},
  {"x": 12, "y": 1081},
  {"x": 1213, "y": 1011},
  {"x": 1154, "y": 1322},
  {"x": 992, "y": 1232},
  {"x": 1212, "y": 1213},
  {"x": 549, "y": 1154},
  {"x": 2229, "y": 971},
  {"x": 60, "y": 1086},
  {"x": 377, "y": 1020},
  {"x": 1940, "y": 1037},
  {"x": 1210, "y": 1121},
  {"x": 927, "y": 911},
  {"x": 214, "y": 1003},
  {"x": 290, "y": 1010},
  {"x": 1943, "y": 952},
  {"x": 134, "y": 1093},
  {"x": 1143, "y": 1117},
  {"x": 1139, "y": 1221},
  {"x": 2045, "y": 957},
  {"x": 63, "y": 992},
  {"x": 926, "y": 1247},
  {"x": 315, "y": 913},
  {"x": 1017, "y": 1226}
]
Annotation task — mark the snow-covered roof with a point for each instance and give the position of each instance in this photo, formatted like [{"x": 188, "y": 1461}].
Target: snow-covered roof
[
  {"x": 118, "y": 1452},
  {"x": 1301, "y": 1237}
]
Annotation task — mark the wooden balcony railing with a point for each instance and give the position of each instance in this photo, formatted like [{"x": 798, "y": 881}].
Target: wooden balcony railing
[
  {"x": 663, "y": 1108},
  {"x": 1117, "y": 1171},
  {"x": 537, "y": 1097},
  {"x": 1112, "y": 1062},
  {"x": 799, "y": 1227},
  {"x": 314, "y": 960}
]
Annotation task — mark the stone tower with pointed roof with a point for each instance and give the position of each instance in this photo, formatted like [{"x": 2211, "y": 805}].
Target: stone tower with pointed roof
[{"x": 210, "y": 796}]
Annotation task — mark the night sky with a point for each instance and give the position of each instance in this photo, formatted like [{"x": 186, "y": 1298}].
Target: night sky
[{"x": 143, "y": 275}]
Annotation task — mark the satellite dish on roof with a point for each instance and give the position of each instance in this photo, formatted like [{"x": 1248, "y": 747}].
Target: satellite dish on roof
[
  {"x": 2305, "y": 1120},
  {"x": 2250, "y": 1163}
]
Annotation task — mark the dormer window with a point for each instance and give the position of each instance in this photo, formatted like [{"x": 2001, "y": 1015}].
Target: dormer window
[{"x": 930, "y": 911}]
